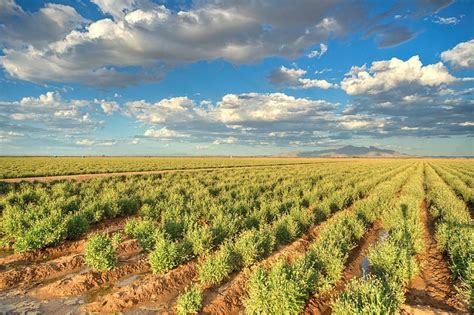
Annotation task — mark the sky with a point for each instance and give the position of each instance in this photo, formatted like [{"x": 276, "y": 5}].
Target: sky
[{"x": 222, "y": 77}]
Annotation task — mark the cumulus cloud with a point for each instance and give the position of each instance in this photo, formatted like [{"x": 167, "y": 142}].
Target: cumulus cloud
[
  {"x": 461, "y": 56},
  {"x": 141, "y": 40},
  {"x": 102, "y": 143},
  {"x": 50, "y": 23},
  {"x": 293, "y": 77},
  {"x": 387, "y": 75},
  {"x": 164, "y": 133},
  {"x": 323, "y": 48},
  {"x": 228, "y": 140},
  {"x": 108, "y": 107}
]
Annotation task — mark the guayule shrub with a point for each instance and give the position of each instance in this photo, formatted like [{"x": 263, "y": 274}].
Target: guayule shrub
[
  {"x": 144, "y": 231},
  {"x": 254, "y": 245},
  {"x": 167, "y": 254},
  {"x": 282, "y": 290},
  {"x": 364, "y": 296},
  {"x": 190, "y": 301},
  {"x": 100, "y": 253},
  {"x": 201, "y": 239},
  {"x": 217, "y": 267},
  {"x": 76, "y": 226}
]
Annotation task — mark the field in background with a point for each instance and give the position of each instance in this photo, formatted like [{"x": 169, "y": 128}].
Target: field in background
[
  {"x": 13, "y": 167},
  {"x": 309, "y": 235}
]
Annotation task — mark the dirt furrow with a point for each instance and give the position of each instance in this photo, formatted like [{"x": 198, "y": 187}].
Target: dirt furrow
[
  {"x": 229, "y": 297},
  {"x": 86, "y": 281},
  {"x": 434, "y": 286},
  {"x": 355, "y": 267},
  {"x": 66, "y": 248},
  {"x": 28, "y": 275},
  {"x": 148, "y": 288}
]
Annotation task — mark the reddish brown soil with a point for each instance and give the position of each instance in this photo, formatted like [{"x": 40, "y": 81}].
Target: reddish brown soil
[
  {"x": 66, "y": 248},
  {"x": 230, "y": 297},
  {"x": 320, "y": 303},
  {"x": 26, "y": 275},
  {"x": 434, "y": 286},
  {"x": 83, "y": 282},
  {"x": 148, "y": 288}
]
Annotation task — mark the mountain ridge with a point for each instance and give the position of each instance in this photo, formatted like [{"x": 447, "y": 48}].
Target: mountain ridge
[{"x": 347, "y": 151}]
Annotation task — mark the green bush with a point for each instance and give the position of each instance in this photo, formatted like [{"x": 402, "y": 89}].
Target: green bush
[
  {"x": 144, "y": 230},
  {"x": 100, "y": 253},
  {"x": 190, "y": 301},
  {"x": 167, "y": 255},
  {"x": 216, "y": 268},
  {"x": 201, "y": 239},
  {"x": 77, "y": 225},
  {"x": 364, "y": 297},
  {"x": 282, "y": 290},
  {"x": 254, "y": 245}
]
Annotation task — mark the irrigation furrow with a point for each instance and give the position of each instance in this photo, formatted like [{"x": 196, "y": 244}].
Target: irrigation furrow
[
  {"x": 26, "y": 276},
  {"x": 66, "y": 248},
  {"x": 356, "y": 266},
  {"x": 434, "y": 285}
]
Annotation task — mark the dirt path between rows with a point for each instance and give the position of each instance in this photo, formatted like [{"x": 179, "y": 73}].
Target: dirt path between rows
[
  {"x": 228, "y": 300},
  {"x": 433, "y": 286},
  {"x": 320, "y": 303},
  {"x": 68, "y": 247},
  {"x": 82, "y": 177},
  {"x": 29, "y": 275}
]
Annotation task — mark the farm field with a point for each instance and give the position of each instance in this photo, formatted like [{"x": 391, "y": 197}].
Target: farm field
[
  {"x": 14, "y": 167},
  {"x": 278, "y": 236}
]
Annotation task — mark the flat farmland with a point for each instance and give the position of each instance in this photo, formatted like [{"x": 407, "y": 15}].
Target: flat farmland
[{"x": 241, "y": 235}]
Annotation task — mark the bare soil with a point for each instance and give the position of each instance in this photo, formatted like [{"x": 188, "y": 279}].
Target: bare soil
[
  {"x": 434, "y": 287},
  {"x": 320, "y": 303}
]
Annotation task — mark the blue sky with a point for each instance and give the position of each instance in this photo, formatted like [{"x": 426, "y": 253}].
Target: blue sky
[{"x": 146, "y": 77}]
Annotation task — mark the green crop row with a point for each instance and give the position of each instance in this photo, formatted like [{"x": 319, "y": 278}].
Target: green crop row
[
  {"x": 168, "y": 251},
  {"x": 454, "y": 231},
  {"x": 392, "y": 261},
  {"x": 285, "y": 287},
  {"x": 14, "y": 167},
  {"x": 459, "y": 187}
]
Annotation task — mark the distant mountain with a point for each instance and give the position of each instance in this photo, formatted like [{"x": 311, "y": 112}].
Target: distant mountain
[{"x": 347, "y": 151}]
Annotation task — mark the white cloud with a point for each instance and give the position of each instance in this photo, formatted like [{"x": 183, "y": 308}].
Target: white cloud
[
  {"x": 164, "y": 133},
  {"x": 142, "y": 40},
  {"x": 85, "y": 142},
  {"x": 461, "y": 56},
  {"x": 228, "y": 140},
  {"x": 202, "y": 147},
  {"x": 108, "y": 107},
  {"x": 52, "y": 22},
  {"x": 134, "y": 141},
  {"x": 101, "y": 143},
  {"x": 446, "y": 20},
  {"x": 238, "y": 108},
  {"x": 293, "y": 77},
  {"x": 176, "y": 109},
  {"x": 392, "y": 74},
  {"x": 50, "y": 112},
  {"x": 323, "y": 48}
]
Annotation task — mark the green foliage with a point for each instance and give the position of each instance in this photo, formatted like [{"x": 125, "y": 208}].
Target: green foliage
[
  {"x": 217, "y": 267},
  {"x": 100, "y": 253},
  {"x": 282, "y": 290},
  {"x": 167, "y": 255},
  {"x": 201, "y": 239},
  {"x": 365, "y": 297},
  {"x": 145, "y": 231},
  {"x": 254, "y": 245},
  {"x": 76, "y": 226},
  {"x": 190, "y": 301}
]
